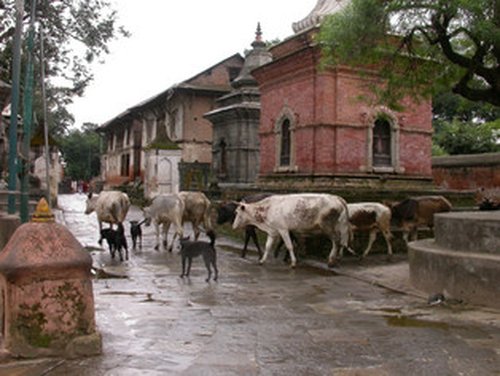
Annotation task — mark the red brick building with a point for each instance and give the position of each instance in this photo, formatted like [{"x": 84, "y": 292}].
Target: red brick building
[{"x": 316, "y": 131}]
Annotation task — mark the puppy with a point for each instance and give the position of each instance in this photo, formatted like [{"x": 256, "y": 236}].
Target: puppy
[
  {"x": 136, "y": 233},
  {"x": 116, "y": 241},
  {"x": 121, "y": 241},
  {"x": 191, "y": 249}
]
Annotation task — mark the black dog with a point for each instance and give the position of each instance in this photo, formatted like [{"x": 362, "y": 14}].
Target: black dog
[
  {"x": 136, "y": 233},
  {"x": 116, "y": 241},
  {"x": 227, "y": 212},
  {"x": 191, "y": 249}
]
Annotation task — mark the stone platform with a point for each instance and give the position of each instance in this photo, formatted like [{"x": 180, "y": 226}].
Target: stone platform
[{"x": 462, "y": 261}]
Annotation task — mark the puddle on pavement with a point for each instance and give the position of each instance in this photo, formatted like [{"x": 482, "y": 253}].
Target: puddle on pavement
[
  {"x": 394, "y": 317},
  {"x": 390, "y": 310},
  {"x": 205, "y": 301},
  {"x": 412, "y": 322},
  {"x": 130, "y": 293},
  {"x": 148, "y": 296},
  {"x": 319, "y": 289}
]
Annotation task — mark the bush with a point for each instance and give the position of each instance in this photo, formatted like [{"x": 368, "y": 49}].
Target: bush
[{"x": 135, "y": 192}]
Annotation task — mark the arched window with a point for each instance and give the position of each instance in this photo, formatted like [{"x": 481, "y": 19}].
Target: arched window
[
  {"x": 284, "y": 131},
  {"x": 285, "y": 143},
  {"x": 382, "y": 143}
]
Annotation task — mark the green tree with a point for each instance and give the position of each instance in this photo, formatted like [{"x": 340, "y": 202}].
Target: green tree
[
  {"x": 448, "y": 106},
  {"x": 420, "y": 46},
  {"x": 457, "y": 137},
  {"x": 81, "y": 152},
  {"x": 76, "y": 34}
]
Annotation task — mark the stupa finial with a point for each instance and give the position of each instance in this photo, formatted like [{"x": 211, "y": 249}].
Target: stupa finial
[
  {"x": 258, "y": 33},
  {"x": 42, "y": 212}
]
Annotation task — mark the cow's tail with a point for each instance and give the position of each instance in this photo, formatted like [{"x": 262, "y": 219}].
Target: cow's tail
[
  {"x": 119, "y": 209},
  {"x": 207, "y": 222},
  {"x": 447, "y": 205},
  {"x": 344, "y": 229},
  {"x": 115, "y": 211},
  {"x": 211, "y": 235}
]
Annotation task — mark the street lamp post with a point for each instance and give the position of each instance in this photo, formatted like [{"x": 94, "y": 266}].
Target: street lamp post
[
  {"x": 27, "y": 118},
  {"x": 16, "y": 72}
]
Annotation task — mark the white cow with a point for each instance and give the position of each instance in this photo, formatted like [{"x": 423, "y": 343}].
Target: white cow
[
  {"x": 372, "y": 217},
  {"x": 303, "y": 214},
  {"x": 196, "y": 211},
  {"x": 110, "y": 206},
  {"x": 165, "y": 209}
]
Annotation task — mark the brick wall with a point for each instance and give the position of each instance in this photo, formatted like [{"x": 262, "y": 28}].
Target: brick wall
[{"x": 467, "y": 172}]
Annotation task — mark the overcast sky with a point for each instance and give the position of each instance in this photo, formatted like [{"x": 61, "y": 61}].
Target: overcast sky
[{"x": 172, "y": 41}]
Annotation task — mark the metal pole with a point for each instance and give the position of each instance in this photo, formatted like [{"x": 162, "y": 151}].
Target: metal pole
[
  {"x": 45, "y": 120},
  {"x": 16, "y": 72},
  {"x": 27, "y": 118}
]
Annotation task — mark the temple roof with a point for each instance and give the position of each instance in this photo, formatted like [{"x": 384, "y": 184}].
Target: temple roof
[
  {"x": 323, "y": 8},
  {"x": 258, "y": 55},
  {"x": 245, "y": 93}
]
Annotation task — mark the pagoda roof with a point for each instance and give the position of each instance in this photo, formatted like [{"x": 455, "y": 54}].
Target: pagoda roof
[{"x": 322, "y": 9}]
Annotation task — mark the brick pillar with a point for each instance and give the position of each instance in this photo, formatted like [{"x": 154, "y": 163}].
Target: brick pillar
[{"x": 46, "y": 290}]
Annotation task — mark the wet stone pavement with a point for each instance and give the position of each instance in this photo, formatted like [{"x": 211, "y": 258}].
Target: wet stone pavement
[{"x": 266, "y": 320}]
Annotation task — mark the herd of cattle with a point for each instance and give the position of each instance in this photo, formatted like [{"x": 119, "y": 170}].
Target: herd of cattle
[{"x": 281, "y": 216}]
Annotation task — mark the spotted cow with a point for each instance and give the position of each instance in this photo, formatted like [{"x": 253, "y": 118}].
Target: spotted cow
[
  {"x": 305, "y": 214},
  {"x": 372, "y": 217},
  {"x": 227, "y": 212}
]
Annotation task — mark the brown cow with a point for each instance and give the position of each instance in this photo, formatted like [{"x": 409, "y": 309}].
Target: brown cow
[
  {"x": 413, "y": 212},
  {"x": 110, "y": 206}
]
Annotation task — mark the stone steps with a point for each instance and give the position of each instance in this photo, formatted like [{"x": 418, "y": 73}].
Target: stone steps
[
  {"x": 463, "y": 261},
  {"x": 477, "y": 231}
]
